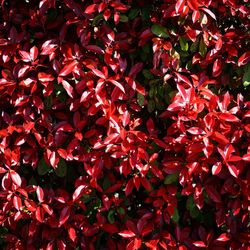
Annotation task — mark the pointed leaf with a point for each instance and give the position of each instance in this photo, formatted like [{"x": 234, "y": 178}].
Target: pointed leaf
[
  {"x": 78, "y": 192},
  {"x": 68, "y": 88},
  {"x": 40, "y": 194},
  {"x": 15, "y": 178},
  {"x": 233, "y": 170},
  {"x": 127, "y": 234},
  {"x": 64, "y": 216},
  {"x": 67, "y": 69}
]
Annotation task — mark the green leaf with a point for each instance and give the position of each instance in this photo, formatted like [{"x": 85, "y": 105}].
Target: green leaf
[
  {"x": 48, "y": 102},
  {"x": 183, "y": 44},
  {"x": 123, "y": 18},
  {"x": 111, "y": 217},
  {"x": 133, "y": 13},
  {"x": 145, "y": 14},
  {"x": 171, "y": 179},
  {"x": 121, "y": 210},
  {"x": 106, "y": 183},
  {"x": 42, "y": 167},
  {"x": 140, "y": 99},
  {"x": 176, "y": 216},
  {"x": 97, "y": 19},
  {"x": 146, "y": 48},
  {"x": 61, "y": 169},
  {"x": 194, "y": 46},
  {"x": 202, "y": 48},
  {"x": 32, "y": 181},
  {"x": 152, "y": 91},
  {"x": 151, "y": 106},
  {"x": 147, "y": 74},
  {"x": 246, "y": 76},
  {"x": 193, "y": 210},
  {"x": 159, "y": 31},
  {"x": 190, "y": 203}
]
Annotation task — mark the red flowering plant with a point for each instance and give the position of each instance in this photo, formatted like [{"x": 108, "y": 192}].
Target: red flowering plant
[{"x": 124, "y": 124}]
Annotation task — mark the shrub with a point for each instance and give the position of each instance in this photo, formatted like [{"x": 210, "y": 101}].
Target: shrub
[{"x": 124, "y": 124}]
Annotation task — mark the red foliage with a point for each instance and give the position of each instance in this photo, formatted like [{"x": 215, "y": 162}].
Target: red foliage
[{"x": 124, "y": 124}]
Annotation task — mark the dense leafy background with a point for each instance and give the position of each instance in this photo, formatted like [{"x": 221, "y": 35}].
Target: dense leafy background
[{"x": 124, "y": 124}]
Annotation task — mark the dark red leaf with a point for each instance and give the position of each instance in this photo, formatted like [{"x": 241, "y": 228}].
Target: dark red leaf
[{"x": 64, "y": 216}]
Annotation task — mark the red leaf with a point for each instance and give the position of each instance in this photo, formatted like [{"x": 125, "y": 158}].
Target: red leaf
[
  {"x": 40, "y": 194},
  {"x": 17, "y": 202},
  {"x": 135, "y": 70},
  {"x": 68, "y": 88},
  {"x": 119, "y": 6},
  {"x": 48, "y": 47},
  {"x": 91, "y": 9},
  {"x": 98, "y": 73},
  {"x": 25, "y": 55},
  {"x": 228, "y": 117},
  {"x": 135, "y": 86},
  {"x": 44, "y": 77},
  {"x": 22, "y": 72},
  {"x": 72, "y": 234},
  {"x": 218, "y": 44},
  {"x": 146, "y": 184},
  {"x": 179, "y": 6},
  {"x": 233, "y": 170},
  {"x": 117, "y": 84},
  {"x": 223, "y": 237},
  {"x": 78, "y": 192},
  {"x": 67, "y": 69},
  {"x": 209, "y": 12},
  {"x": 110, "y": 228},
  {"x": 38, "y": 102},
  {"x": 39, "y": 214},
  {"x": 196, "y": 131},
  {"x": 219, "y": 138},
  {"x": 195, "y": 16},
  {"x": 193, "y": 4},
  {"x": 135, "y": 244},
  {"x": 125, "y": 118},
  {"x": 15, "y": 178},
  {"x": 213, "y": 194},
  {"x": 217, "y": 67},
  {"x": 129, "y": 187},
  {"x": 216, "y": 168},
  {"x": 33, "y": 53},
  {"x": 183, "y": 78},
  {"x": 199, "y": 244},
  {"x": 64, "y": 216},
  {"x": 246, "y": 157},
  {"x": 30, "y": 205},
  {"x": 52, "y": 157},
  {"x": 47, "y": 209},
  {"x": 95, "y": 49},
  {"x": 127, "y": 234},
  {"x": 244, "y": 59}
]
